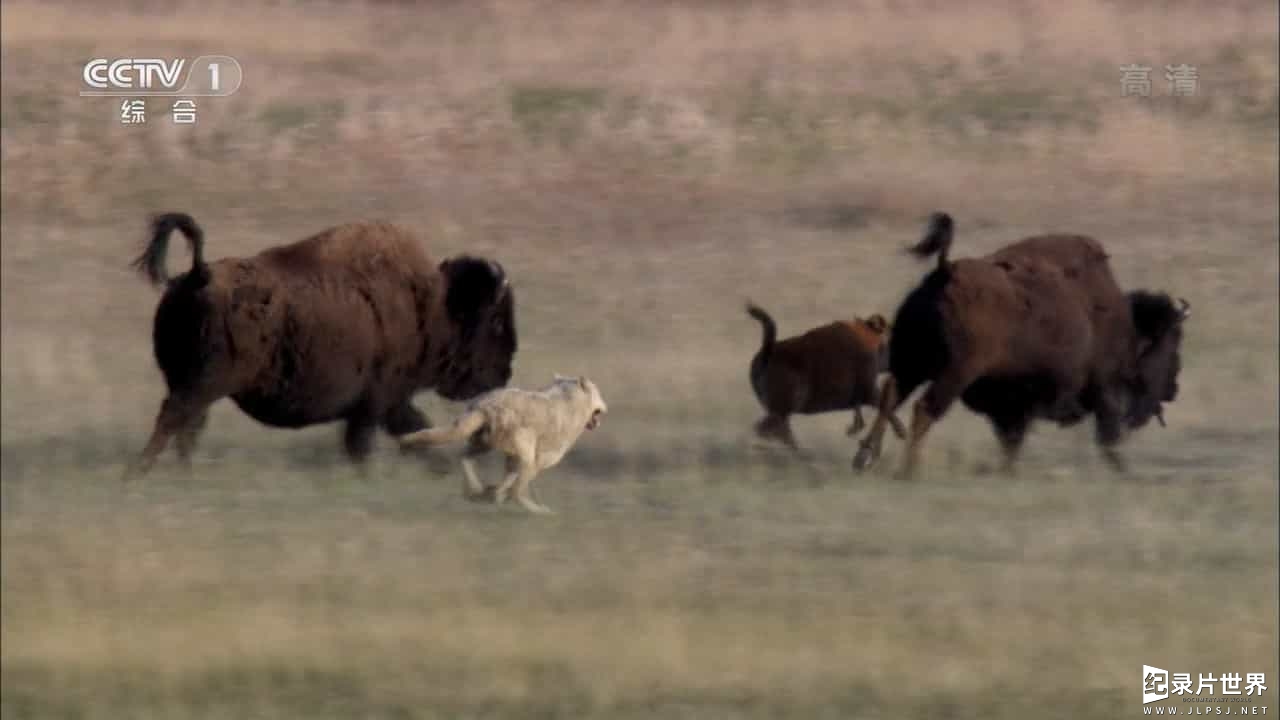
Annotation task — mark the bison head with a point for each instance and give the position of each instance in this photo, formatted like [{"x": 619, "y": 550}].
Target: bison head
[
  {"x": 481, "y": 309},
  {"x": 1158, "y": 322}
]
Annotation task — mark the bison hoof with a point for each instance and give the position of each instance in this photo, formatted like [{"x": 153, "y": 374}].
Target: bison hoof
[{"x": 863, "y": 459}]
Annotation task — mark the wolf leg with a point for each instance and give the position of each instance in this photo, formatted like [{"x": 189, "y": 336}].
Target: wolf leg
[
  {"x": 503, "y": 491},
  {"x": 525, "y": 467},
  {"x": 521, "y": 467},
  {"x": 472, "y": 488},
  {"x": 523, "y": 491}
]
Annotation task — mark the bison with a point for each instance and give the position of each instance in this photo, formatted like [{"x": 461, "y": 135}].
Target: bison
[
  {"x": 828, "y": 368},
  {"x": 1036, "y": 330},
  {"x": 344, "y": 325}
]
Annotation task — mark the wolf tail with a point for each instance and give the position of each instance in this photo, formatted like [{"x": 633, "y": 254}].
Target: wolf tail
[{"x": 461, "y": 429}]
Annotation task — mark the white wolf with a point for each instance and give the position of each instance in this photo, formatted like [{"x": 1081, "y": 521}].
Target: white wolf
[{"x": 534, "y": 429}]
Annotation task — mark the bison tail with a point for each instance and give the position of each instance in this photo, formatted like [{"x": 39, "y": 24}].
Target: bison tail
[
  {"x": 936, "y": 240},
  {"x": 151, "y": 263},
  {"x": 463, "y": 428},
  {"x": 769, "y": 334}
]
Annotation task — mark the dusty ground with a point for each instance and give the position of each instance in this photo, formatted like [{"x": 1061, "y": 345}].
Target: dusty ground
[{"x": 640, "y": 171}]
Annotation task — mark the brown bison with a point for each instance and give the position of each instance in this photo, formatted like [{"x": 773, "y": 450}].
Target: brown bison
[
  {"x": 829, "y": 368},
  {"x": 344, "y": 325},
  {"x": 1036, "y": 330}
]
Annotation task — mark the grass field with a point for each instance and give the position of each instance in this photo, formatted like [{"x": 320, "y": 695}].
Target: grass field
[{"x": 640, "y": 169}]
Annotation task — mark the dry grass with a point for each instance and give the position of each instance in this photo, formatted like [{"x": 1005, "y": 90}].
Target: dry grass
[{"x": 639, "y": 169}]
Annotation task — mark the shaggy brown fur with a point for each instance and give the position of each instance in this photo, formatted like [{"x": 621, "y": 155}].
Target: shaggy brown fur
[
  {"x": 829, "y": 368},
  {"x": 1036, "y": 330},
  {"x": 344, "y": 325}
]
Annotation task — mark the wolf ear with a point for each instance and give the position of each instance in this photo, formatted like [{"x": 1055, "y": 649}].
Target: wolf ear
[{"x": 582, "y": 381}]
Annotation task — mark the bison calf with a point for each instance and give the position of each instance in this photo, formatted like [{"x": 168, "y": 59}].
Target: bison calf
[
  {"x": 829, "y": 368},
  {"x": 1036, "y": 330},
  {"x": 345, "y": 325}
]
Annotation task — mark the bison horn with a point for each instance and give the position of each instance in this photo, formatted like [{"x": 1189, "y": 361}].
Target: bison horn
[
  {"x": 1184, "y": 308},
  {"x": 1160, "y": 416},
  {"x": 500, "y": 274}
]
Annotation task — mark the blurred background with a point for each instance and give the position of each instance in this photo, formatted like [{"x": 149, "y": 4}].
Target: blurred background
[{"x": 640, "y": 169}]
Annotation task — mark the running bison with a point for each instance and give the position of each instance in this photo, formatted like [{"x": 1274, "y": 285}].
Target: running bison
[
  {"x": 829, "y": 368},
  {"x": 1036, "y": 330},
  {"x": 344, "y": 325}
]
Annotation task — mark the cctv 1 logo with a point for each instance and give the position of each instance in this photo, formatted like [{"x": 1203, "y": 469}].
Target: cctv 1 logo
[{"x": 206, "y": 76}]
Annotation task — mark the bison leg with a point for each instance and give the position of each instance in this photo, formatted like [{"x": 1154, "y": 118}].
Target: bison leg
[
  {"x": 777, "y": 427},
  {"x": 188, "y": 436},
  {"x": 177, "y": 415},
  {"x": 784, "y": 432},
  {"x": 894, "y": 422},
  {"x": 858, "y": 422},
  {"x": 403, "y": 419},
  {"x": 1115, "y": 460},
  {"x": 889, "y": 401},
  {"x": 1108, "y": 431},
  {"x": 357, "y": 440},
  {"x": 921, "y": 420},
  {"x": 928, "y": 410},
  {"x": 1011, "y": 430},
  {"x": 787, "y": 394},
  {"x": 1066, "y": 408},
  {"x": 762, "y": 427}
]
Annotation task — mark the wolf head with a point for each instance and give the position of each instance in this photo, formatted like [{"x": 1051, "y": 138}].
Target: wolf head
[{"x": 597, "y": 404}]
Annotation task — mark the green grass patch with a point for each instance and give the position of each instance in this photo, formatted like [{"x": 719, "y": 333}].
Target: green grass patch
[{"x": 554, "y": 113}]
